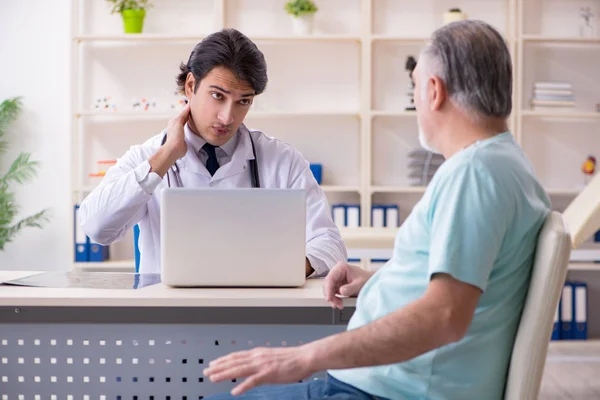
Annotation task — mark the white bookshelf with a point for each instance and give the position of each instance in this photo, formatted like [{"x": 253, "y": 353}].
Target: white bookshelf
[
  {"x": 338, "y": 95},
  {"x": 551, "y": 49}
]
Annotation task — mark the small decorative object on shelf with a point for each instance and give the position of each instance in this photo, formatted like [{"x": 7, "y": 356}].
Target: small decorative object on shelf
[
  {"x": 454, "y": 14},
  {"x": 133, "y": 13},
  {"x": 422, "y": 166},
  {"x": 303, "y": 14},
  {"x": 586, "y": 29},
  {"x": 143, "y": 104},
  {"x": 105, "y": 104},
  {"x": 103, "y": 167},
  {"x": 588, "y": 168},
  {"x": 177, "y": 101},
  {"x": 410, "y": 65}
]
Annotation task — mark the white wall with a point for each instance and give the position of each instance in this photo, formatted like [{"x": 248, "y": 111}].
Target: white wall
[{"x": 35, "y": 64}]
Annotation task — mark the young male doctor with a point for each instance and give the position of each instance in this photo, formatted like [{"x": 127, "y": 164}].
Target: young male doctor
[{"x": 207, "y": 145}]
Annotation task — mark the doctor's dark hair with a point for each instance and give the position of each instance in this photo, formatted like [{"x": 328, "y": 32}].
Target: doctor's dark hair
[{"x": 231, "y": 49}]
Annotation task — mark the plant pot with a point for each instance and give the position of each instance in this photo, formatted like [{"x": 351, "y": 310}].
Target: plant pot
[
  {"x": 133, "y": 20},
  {"x": 303, "y": 25},
  {"x": 452, "y": 16}
]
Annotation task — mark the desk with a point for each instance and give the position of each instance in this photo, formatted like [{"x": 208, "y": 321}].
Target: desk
[{"x": 145, "y": 344}]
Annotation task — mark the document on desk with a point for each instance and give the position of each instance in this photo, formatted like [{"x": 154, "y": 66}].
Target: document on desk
[{"x": 88, "y": 280}]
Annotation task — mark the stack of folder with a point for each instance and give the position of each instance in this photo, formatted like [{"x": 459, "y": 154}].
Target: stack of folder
[
  {"x": 552, "y": 96},
  {"x": 422, "y": 165},
  {"x": 570, "y": 319},
  {"x": 346, "y": 216},
  {"x": 385, "y": 216},
  {"x": 86, "y": 250}
]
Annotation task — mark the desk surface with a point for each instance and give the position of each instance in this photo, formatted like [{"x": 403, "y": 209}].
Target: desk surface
[{"x": 310, "y": 295}]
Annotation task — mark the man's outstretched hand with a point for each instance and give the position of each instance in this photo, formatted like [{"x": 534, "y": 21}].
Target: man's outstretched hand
[{"x": 262, "y": 366}]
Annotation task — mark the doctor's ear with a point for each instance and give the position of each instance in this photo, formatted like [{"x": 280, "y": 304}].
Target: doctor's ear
[{"x": 190, "y": 85}]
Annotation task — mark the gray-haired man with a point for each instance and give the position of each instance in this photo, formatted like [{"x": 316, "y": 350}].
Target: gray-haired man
[{"x": 438, "y": 321}]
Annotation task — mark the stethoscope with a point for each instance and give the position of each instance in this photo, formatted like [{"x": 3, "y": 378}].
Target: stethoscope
[{"x": 253, "y": 167}]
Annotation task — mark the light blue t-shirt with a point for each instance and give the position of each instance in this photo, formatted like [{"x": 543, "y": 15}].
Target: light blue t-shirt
[{"x": 477, "y": 221}]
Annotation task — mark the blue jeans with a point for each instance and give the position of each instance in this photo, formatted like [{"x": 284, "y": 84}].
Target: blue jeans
[{"x": 329, "y": 388}]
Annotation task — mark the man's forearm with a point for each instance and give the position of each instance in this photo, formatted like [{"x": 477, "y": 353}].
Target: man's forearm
[
  {"x": 400, "y": 336},
  {"x": 161, "y": 161}
]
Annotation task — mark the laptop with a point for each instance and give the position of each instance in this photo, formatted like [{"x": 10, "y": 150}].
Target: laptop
[{"x": 233, "y": 237}]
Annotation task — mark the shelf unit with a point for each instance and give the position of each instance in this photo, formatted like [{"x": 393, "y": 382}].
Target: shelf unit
[
  {"x": 549, "y": 48},
  {"x": 357, "y": 103}
]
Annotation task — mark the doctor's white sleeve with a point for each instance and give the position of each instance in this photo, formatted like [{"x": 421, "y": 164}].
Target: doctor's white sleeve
[
  {"x": 324, "y": 245},
  {"x": 120, "y": 201}
]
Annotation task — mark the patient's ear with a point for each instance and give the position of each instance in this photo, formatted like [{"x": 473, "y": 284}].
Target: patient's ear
[{"x": 437, "y": 93}]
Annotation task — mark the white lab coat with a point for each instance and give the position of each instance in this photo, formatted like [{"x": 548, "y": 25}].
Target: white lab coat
[{"x": 129, "y": 195}]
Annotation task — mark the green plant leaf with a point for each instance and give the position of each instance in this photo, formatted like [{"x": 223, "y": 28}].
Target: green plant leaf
[
  {"x": 9, "y": 111},
  {"x": 8, "y": 208},
  {"x": 300, "y": 7},
  {"x": 3, "y": 146},
  {"x": 117, "y": 6},
  {"x": 21, "y": 170},
  {"x": 7, "y": 234}
]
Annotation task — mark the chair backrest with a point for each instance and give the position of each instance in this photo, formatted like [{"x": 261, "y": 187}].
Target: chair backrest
[
  {"x": 583, "y": 214},
  {"x": 533, "y": 335}
]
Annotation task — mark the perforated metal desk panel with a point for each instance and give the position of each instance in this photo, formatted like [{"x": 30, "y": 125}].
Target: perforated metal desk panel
[{"x": 151, "y": 343}]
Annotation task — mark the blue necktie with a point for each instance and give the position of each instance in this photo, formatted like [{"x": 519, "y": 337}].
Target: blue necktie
[{"x": 212, "y": 164}]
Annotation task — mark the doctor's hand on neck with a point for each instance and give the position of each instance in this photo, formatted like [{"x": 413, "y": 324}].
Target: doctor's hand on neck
[{"x": 175, "y": 146}]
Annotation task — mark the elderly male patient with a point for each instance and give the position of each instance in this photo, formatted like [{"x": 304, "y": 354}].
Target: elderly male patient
[{"x": 438, "y": 321}]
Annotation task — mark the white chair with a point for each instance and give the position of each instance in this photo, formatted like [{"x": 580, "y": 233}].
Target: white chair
[
  {"x": 559, "y": 234},
  {"x": 535, "y": 328}
]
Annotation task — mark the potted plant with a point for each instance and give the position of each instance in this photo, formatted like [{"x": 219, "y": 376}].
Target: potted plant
[
  {"x": 20, "y": 170},
  {"x": 303, "y": 13},
  {"x": 133, "y": 13},
  {"x": 454, "y": 14}
]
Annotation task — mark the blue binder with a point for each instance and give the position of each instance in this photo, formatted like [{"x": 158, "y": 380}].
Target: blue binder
[
  {"x": 566, "y": 312},
  {"x": 353, "y": 215},
  {"x": 98, "y": 252},
  {"x": 80, "y": 240},
  {"x": 317, "y": 170},
  {"x": 392, "y": 216},
  {"x": 378, "y": 216},
  {"x": 136, "y": 247},
  {"x": 556, "y": 324},
  {"x": 339, "y": 215},
  {"x": 579, "y": 311}
]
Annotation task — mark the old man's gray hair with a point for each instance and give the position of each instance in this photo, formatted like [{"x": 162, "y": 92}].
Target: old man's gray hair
[{"x": 473, "y": 60}]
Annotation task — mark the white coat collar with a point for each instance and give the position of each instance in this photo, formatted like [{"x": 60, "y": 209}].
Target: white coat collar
[
  {"x": 197, "y": 141},
  {"x": 239, "y": 159}
]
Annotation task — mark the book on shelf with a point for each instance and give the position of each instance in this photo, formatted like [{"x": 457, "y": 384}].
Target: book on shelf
[
  {"x": 553, "y": 103},
  {"x": 553, "y": 98},
  {"x": 553, "y": 85},
  {"x": 553, "y": 109},
  {"x": 553, "y": 92}
]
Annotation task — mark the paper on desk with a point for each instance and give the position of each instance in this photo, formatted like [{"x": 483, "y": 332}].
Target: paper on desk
[{"x": 88, "y": 280}]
